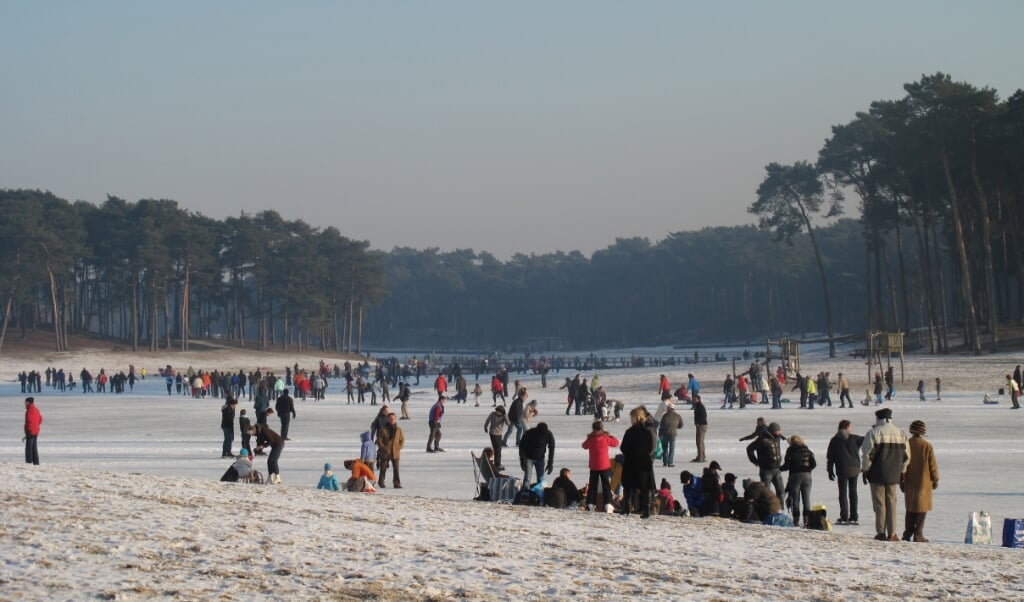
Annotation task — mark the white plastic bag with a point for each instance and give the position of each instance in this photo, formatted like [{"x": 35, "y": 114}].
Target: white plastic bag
[{"x": 979, "y": 528}]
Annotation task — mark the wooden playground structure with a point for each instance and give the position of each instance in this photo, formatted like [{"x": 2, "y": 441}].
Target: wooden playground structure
[{"x": 884, "y": 344}]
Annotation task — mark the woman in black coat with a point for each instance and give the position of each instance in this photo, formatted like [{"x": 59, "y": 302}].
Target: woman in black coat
[{"x": 638, "y": 465}]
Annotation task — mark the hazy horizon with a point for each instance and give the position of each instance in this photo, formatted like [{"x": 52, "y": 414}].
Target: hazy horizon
[{"x": 524, "y": 128}]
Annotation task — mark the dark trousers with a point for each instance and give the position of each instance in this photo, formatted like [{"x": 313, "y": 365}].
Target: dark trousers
[
  {"x": 434, "y": 439},
  {"x": 275, "y": 455},
  {"x": 383, "y": 471},
  {"x": 32, "y": 449},
  {"x": 844, "y": 398},
  {"x": 496, "y": 445},
  {"x": 229, "y": 438},
  {"x": 604, "y": 476},
  {"x": 847, "y": 498},
  {"x": 286, "y": 419}
]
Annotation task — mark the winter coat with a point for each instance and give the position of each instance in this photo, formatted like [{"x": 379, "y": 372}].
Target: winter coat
[
  {"x": 328, "y": 481},
  {"x": 265, "y": 437},
  {"x": 843, "y": 455},
  {"x": 671, "y": 422},
  {"x": 243, "y": 424},
  {"x": 243, "y": 467},
  {"x": 700, "y": 414},
  {"x": 694, "y": 494},
  {"x": 496, "y": 423},
  {"x": 763, "y": 499},
  {"x": 799, "y": 458},
  {"x": 285, "y": 405},
  {"x": 262, "y": 403},
  {"x": 367, "y": 450},
  {"x": 227, "y": 416},
  {"x": 515, "y": 410},
  {"x": 711, "y": 489},
  {"x": 922, "y": 475},
  {"x": 765, "y": 451},
  {"x": 390, "y": 441},
  {"x": 572, "y": 493},
  {"x": 33, "y": 420},
  {"x": 436, "y": 412},
  {"x": 637, "y": 465},
  {"x": 534, "y": 443},
  {"x": 598, "y": 443},
  {"x": 885, "y": 453}
]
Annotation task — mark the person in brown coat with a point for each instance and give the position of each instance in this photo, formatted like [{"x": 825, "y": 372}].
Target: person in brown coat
[
  {"x": 390, "y": 441},
  {"x": 921, "y": 477}
]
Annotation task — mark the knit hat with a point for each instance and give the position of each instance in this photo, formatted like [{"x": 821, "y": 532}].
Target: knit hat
[
  {"x": 774, "y": 428},
  {"x": 327, "y": 467},
  {"x": 884, "y": 413},
  {"x": 243, "y": 452},
  {"x": 730, "y": 478},
  {"x": 917, "y": 427},
  {"x": 715, "y": 465}
]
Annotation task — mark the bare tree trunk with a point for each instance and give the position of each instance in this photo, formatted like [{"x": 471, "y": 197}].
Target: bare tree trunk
[
  {"x": 926, "y": 276},
  {"x": 903, "y": 278},
  {"x": 186, "y": 294},
  {"x": 893, "y": 310},
  {"x": 967, "y": 290},
  {"x": 824, "y": 281},
  {"x": 986, "y": 246}
]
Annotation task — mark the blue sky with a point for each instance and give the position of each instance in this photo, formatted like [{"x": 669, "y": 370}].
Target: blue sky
[{"x": 523, "y": 127}]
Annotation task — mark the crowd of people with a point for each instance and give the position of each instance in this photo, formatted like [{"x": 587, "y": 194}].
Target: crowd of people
[{"x": 623, "y": 481}]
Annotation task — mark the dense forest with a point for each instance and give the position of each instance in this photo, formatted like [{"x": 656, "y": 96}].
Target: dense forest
[{"x": 908, "y": 219}]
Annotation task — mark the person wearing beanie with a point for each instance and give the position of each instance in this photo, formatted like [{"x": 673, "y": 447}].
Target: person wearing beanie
[
  {"x": 766, "y": 452},
  {"x": 885, "y": 455},
  {"x": 918, "y": 481},
  {"x": 729, "y": 496},
  {"x": 328, "y": 481},
  {"x": 33, "y": 420}
]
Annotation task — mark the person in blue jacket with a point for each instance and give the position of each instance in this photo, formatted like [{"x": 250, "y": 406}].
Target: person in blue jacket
[
  {"x": 328, "y": 481},
  {"x": 692, "y": 491}
]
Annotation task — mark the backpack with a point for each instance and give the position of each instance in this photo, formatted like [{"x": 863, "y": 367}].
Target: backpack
[{"x": 526, "y": 497}]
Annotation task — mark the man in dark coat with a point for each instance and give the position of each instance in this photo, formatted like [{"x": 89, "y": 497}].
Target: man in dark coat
[
  {"x": 700, "y": 423},
  {"x": 843, "y": 458},
  {"x": 227, "y": 424},
  {"x": 766, "y": 453},
  {"x": 285, "y": 408},
  {"x": 532, "y": 447}
]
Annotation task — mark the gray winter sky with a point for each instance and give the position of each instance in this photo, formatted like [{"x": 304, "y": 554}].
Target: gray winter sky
[{"x": 503, "y": 127}]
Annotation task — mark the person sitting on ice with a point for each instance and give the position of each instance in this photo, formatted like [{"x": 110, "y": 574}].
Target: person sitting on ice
[
  {"x": 666, "y": 501},
  {"x": 362, "y": 478},
  {"x": 563, "y": 493},
  {"x": 692, "y": 491},
  {"x": 327, "y": 480},
  {"x": 241, "y": 470}
]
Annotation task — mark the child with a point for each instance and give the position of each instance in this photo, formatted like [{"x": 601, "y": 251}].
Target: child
[
  {"x": 666, "y": 501},
  {"x": 328, "y": 481},
  {"x": 477, "y": 392},
  {"x": 368, "y": 450},
  {"x": 729, "y": 495},
  {"x": 920, "y": 390}
]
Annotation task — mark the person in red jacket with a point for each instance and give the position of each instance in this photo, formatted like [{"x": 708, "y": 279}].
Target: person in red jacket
[
  {"x": 440, "y": 384},
  {"x": 597, "y": 443},
  {"x": 33, "y": 420}
]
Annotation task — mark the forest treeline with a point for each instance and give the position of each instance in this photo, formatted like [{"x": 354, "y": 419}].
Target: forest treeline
[{"x": 908, "y": 219}]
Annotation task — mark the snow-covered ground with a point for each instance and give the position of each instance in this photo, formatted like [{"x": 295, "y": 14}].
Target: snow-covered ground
[{"x": 127, "y": 505}]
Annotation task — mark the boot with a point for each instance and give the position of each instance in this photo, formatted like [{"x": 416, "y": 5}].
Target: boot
[
  {"x": 910, "y": 520},
  {"x": 919, "y": 530}
]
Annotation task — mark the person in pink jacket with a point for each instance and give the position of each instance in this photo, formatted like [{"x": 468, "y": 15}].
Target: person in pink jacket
[{"x": 597, "y": 443}]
